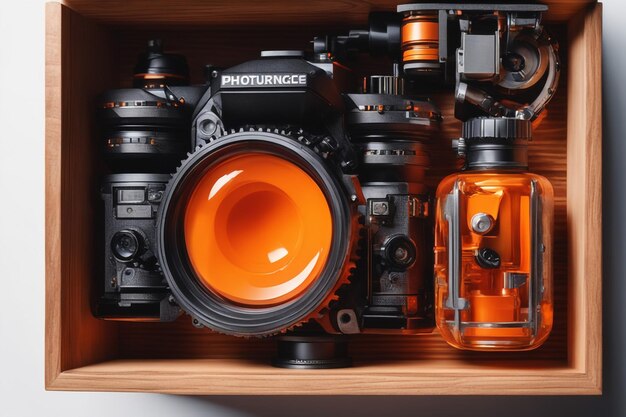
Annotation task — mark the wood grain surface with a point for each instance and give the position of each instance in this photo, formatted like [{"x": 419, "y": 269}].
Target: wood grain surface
[
  {"x": 584, "y": 194},
  {"x": 237, "y": 377},
  {"x": 223, "y": 13},
  {"x": 86, "y": 55},
  {"x": 75, "y": 53}
]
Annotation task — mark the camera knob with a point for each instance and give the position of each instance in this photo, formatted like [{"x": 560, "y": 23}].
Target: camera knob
[{"x": 126, "y": 245}]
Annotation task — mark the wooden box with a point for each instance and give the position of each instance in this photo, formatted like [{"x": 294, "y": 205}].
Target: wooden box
[{"x": 91, "y": 46}]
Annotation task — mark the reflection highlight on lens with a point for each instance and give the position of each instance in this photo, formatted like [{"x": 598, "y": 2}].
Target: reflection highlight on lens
[
  {"x": 222, "y": 181},
  {"x": 258, "y": 229}
]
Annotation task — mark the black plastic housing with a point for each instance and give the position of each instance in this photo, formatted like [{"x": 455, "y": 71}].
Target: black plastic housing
[
  {"x": 363, "y": 149},
  {"x": 147, "y": 129},
  {"x": 133, "y": 287}
]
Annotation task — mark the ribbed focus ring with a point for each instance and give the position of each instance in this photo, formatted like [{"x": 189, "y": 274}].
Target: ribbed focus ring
[{"x": 500, "y": 128}]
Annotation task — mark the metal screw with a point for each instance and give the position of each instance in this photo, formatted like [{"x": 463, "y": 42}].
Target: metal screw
[{"x": 482, "y": 223}]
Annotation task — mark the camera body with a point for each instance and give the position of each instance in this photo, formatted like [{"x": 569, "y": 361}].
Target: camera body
[
  {"x": 134, "y": 287},
  {"x": 371, "y": 146}
]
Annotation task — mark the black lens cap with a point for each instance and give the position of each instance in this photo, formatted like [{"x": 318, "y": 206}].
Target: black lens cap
[
  {"x": 312, "y": 352},
  {"x": 125, "y": 245}
]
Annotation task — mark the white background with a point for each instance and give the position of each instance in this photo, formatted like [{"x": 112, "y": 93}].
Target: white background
[{"x": 22, "y": 264}]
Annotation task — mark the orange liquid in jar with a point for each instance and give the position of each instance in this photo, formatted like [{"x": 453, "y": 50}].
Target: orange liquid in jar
[{"x": 507, "y": 305}]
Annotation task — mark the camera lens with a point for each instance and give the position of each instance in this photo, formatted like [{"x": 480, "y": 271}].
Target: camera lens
[
  {"x": 271, "y": 225},
  {"x": 125, "y": 245},
  {"x": 400, "y": 252},
  {"x": 254, "y": 234}
]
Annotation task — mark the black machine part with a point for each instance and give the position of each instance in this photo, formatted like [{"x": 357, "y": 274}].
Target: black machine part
[
  {"x": 279, "y": 89},
  {"x": 312, "y": 352},
  {"x": 503, "y": 62},
  {"x": 375, "y": 116},
  {"x": 390, "y": 132},
  {"x": 153, "y": 62},
  {"x": 146, "y": 130},
  {"x": 142, "y": 143},
  {"x": 495, "y": 142},
  {"x": 163, "y": 106},
  {"x": 133, "y": 288},
  {"x": 383, "y": 37}
]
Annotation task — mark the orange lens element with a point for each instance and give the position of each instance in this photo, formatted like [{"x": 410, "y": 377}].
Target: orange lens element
[
  {"x": 420, "y": 38},
  {"x": 258, "y": 230}
]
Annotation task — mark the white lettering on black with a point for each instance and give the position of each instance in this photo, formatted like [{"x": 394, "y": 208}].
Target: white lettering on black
[{"x": 263, "y": 80}]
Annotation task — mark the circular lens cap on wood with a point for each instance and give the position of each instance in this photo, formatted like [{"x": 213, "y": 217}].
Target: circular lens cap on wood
[{"x": 312, "y": 352}]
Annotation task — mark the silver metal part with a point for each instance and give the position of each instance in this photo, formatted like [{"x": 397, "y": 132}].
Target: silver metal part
[
  {"x": 534, "y": 60},
  {"x": 549, "y": 88},
  {"x": 347, "y": 321},
  {"x": 518, "y": 21},
  {"x": 482, "y": 223},
  {"x": 514, "y": 279},
  {"x": 322, "y": 57},
  {"x": 134, "y": 211},
  {"x": 419, "y": 207},
  {"x": 384, "y": 84},
  {"x": 451, "y": 213},
  {"x": 535, "y": 283},
  {"x": 282, "y": 54},
  {"x": 494, "y": 324},
  {"x": 479, "y": 98},
  {"x": 460, "y": 146},
  {"x": 511, "y": 279},
  {"x": 380, "y": 208},
  {"x": 497, "y": 127},
  {"x": 461, "y": 91},
  {"x": 196, "y": 323},
  {"x": 478, "y": 58},
  {"x": 482, "y": 7}
]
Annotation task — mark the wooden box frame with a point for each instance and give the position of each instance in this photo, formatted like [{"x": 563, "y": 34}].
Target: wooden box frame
[{"x": 83, "y": 353}]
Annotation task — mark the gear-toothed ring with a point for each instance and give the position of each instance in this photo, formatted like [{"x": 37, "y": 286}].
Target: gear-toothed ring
[{"x": 208, "y": 308}]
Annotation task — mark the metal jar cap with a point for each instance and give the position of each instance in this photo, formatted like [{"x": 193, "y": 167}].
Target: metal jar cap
[
  {"x": 497, "y": 127},
  {"x": 496, "y": 142}
]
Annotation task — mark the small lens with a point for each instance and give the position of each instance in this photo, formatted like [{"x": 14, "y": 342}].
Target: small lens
[
  {"x": 400, "y": 252},
  {"x": 125, "y": 245}
]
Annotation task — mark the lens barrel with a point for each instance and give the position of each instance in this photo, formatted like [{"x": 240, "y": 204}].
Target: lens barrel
[
  {"x": 125, "y": 245},
  {"x": 202, "y": 291}
]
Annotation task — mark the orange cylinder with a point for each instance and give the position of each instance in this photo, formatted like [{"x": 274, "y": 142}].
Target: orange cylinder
[{"x": 420, "y": 38}]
